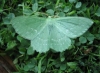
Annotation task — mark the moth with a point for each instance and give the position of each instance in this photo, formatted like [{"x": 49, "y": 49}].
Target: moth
[{"x": 50, "y": 33}]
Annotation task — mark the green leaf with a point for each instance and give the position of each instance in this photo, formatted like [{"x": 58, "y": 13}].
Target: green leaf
[
  {"x": 35, "y": 7},
  {"x": 15, "y": 61},
  {"x": 54, "y": 33},
  {"x": 82, "y": 40},
  {"x": 26, "y": 68},
  {"x": 7, "y": 19},
  {"x": 72, "y": 64},
  {"x": 11, "y": 45},
  {"x": 19, "y": 38},
  {"x": 63, "y": 67},
  {"x": 27, "y": 11},
  {"x": 98, "y": 12},
  {"x": 61, "y": 14},
  {"x": 62, "y": 57},
  {"x": 2, "y": 2},
  {"x": 50, "y": 11},
  {"x": 89, "y": 36},
  {"x": 67, "y": 8},
  {"x": 72, "y": 1},
  {"x": 22, "y": 50},
  {"x": 30, "y": 51},
  {"x": 78, "y": 4}
]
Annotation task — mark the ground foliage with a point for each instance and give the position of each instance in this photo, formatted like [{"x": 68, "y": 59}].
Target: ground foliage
[{"x": 82, "y": 57}]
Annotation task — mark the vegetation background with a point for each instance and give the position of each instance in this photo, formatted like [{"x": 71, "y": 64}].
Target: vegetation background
[{"x": 82, "y": 57}]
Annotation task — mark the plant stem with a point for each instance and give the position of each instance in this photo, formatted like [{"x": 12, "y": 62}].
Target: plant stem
[{"x": 57, "y": 3}]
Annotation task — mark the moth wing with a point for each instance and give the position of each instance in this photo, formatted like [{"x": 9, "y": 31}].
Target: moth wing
[
  {"x": 73, "y": 26},
  {"x": 58, "y": 40},
  {"x": 28, "y": 26}
]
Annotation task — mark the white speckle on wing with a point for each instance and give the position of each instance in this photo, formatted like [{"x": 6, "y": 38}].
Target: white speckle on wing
[
  {"x": 67, "y": 31},
  {"x": 83, "y": 31},
  {"x": 52, "y": 39},
  {"x": 71, "y": 28},
  {"x": 35, "y": 31},
  {"x": 59, "y": 39}
]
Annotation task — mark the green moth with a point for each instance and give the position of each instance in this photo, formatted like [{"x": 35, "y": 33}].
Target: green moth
[{"x": 50, "y": 33}]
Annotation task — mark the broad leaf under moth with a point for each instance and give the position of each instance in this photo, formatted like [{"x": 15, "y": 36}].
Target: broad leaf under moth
[{"x": 50, "y": 33}]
